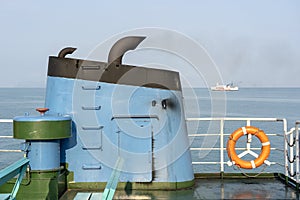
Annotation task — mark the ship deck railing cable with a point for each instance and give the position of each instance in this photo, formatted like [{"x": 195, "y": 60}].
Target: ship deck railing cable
[{"x": 288, "y": 144}]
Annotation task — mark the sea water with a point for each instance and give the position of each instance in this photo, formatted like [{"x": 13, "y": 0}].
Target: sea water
[
  {"x": 247, "y": 102},
  {"x": 16, "y": 102}
]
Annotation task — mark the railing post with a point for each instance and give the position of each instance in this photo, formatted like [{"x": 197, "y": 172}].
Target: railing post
[
  {"x": 297, "y": 152},
  {"x": 222, "y": 146},
  {"x": 285, "y": 147},
  {"x": 291, "y": 154},
  {"x": 248, "y": 122}
]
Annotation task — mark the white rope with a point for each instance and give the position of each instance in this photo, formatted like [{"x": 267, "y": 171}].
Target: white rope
[
  {"x": 253, "y": 164},
  {"x": 265, "y": 143},
  {"x": 244, "y": 130}
]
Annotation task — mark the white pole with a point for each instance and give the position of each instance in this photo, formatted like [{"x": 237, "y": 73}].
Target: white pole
[
  {"x": 297, "y": 152},
  {"x": 222, "y": 144}
]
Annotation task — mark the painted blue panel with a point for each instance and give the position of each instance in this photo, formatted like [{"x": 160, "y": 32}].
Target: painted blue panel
[
  {"x": 97, "y": 127},
  {"x": 135, "y": 148},
  {"x": 44, "y": 155},
  {"x": 92, "y": 138},
  {"x": 59, "y": 95}
]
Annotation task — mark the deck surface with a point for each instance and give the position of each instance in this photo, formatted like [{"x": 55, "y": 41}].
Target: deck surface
[
  {"x": 212, "y": 189},
  {"x": 88, "y": 195}
]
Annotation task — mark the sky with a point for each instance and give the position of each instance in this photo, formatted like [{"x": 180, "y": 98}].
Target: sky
[{"x": 253, "y": 43}]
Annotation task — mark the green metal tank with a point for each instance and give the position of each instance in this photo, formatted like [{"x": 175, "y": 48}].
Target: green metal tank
[{"x": 42, "y": 135}]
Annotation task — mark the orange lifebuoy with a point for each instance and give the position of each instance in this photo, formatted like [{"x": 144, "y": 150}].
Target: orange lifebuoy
[{"x": 265, "y": 152}]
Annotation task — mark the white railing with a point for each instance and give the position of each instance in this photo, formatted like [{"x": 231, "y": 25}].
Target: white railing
[
  {"x": 291, "y": 145},
  {"x": 292, "y": 153},
  {"x": 297, "y": 151},
  {"x": 6, "y": 121},
  {"x": 8, "y": 137},
  {"x": 288, "y": 168}
]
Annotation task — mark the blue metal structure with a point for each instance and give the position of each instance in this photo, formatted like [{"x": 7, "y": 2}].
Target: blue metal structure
[
  {"x": 44, "y": 155},
  {"x": 122, "y": 111}
]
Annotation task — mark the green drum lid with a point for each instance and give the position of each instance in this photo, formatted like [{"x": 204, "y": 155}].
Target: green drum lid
[{"x": 44, "y": 127}]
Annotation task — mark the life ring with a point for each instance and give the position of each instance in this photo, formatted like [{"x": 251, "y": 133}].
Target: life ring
[{"x": 265, "y": 152}]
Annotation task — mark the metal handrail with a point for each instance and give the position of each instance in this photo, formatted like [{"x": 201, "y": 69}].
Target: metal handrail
[
  {"x": 297, "y": 150},
  {"x": 8, "y": 137},
  {"x": 288, "y": 147},
  {"x": 6, "y": 120},
  {"x": 222, "y": 134},
  {"x": 292, "y": 153}
]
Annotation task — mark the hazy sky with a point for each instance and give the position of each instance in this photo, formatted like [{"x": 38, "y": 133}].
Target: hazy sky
[{"x": 253, "y": 42}]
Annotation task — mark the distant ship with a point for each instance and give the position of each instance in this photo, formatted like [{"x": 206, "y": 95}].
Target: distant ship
[{"x": 228, "y": 87}]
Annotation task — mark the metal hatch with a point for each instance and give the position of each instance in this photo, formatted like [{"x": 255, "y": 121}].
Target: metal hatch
[{"x": 134, "y": 142}]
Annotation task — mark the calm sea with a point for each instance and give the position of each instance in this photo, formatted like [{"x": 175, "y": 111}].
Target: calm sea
[
  {"x": 247, "y": 102},
  {"x": 16, "y": 102}
]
